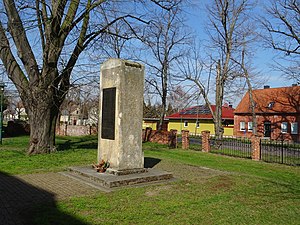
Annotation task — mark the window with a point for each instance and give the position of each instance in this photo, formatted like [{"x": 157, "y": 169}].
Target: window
[
  {"x": 284, "y": 126},
  {"x": 250, "y": 126},
  {"x": 242, "y": 126},
  {"x": 186, "y": 123},
  {"x": 294, "y": 128},
  {"x": 197, "y": 124},
  {"x": 270, "y": 105}
]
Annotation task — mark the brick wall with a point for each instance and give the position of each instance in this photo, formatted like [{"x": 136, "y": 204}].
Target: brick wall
[
  {"x": 75, "y": 130},
  {"x": 275, "y": 121},
  {"x": 162, "y": 137}
]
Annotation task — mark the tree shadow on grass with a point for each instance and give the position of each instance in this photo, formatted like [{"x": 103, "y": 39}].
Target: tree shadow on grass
[
  {"x": 20, "y": 204},
  {"x": 78, "y": 144}
]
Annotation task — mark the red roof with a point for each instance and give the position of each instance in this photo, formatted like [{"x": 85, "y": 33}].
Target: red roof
[
  {"x": 202, "y": 112},
  {"x": 272, "y": 100}
]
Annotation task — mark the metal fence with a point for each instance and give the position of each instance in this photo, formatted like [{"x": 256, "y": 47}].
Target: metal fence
[
  {"x": 195, "y": 139},
  {"x": 280, "y": 152},
  {"x": 237, "y": 147}
]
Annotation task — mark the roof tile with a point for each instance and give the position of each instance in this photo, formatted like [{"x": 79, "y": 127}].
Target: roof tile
[{"x": 272, "y": 100}]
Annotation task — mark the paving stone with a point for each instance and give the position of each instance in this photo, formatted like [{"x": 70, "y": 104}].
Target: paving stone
[{"x": 20, "y": 193}]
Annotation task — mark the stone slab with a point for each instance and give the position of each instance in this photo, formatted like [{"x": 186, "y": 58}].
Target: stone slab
[
  {"x": 109, "y": 181},
  {"x": 125, "y": 172}
]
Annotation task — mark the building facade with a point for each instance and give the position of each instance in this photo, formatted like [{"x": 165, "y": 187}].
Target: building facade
[
  {"x": 198, "y": 118},
  {"x": 277, "y": 112}
]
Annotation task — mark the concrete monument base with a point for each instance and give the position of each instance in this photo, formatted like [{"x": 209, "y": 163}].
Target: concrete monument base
[
  {"x": 125, "y": 172},
  {"x": 110, "y": 181}
]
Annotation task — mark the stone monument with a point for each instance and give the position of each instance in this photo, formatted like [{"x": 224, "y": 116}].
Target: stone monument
[
  {"x": 120, "y": 131},
  {"x": 121, "y": 116}
]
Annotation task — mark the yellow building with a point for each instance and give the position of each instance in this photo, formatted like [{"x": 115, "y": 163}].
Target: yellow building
[
  {"x": 150, "y": 122},
  {"x": 153, "y": 123},
  {"x": 198, "y": 118}
]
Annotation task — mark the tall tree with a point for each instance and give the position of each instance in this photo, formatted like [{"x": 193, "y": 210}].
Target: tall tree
[
  {"x": 247, "y": 76},
  {"x": 283, "y": 33},
  {"x": 180, "y": 98},
  {"x": 193, "y": 68},
  {"x": 226, "y": 28},
  {"x": 40, "y": 44},
  {"x": 164, "y": 38}
]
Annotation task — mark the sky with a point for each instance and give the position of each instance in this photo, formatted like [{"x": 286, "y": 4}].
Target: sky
[
  {"x": 263, "y": 57},
  {"x": 196, "y": 19}
]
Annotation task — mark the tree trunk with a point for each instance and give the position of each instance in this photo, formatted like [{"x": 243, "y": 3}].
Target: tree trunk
[
  {"x": 162, "y": 117},
  {"x": 252, "y": 104},
  {"x": 219, "y": 130},
  {"x": 163, "y": 111},
  {"x": 42, "y": 131},
  {"x": 163, "y": 95},
  {"x": 42, "y": 109}
]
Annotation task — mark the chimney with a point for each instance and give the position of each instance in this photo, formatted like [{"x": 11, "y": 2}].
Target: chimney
[
  {"x": 266, "y": 86},
  {"x": 230, "y": 105}
]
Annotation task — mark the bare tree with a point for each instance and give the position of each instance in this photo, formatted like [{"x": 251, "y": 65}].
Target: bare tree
[
  {"x": 246, "y": 75},
  {"x": 283, "y": 30},
  {"x": 114, "y": 42},
  {"x": 49, "y": 37},
  {"x": 165, "y": 38},
  {"x": 227, "y": 26},
  {"x": 180, "y": 97},
  {"x": 193, "y": 68}
]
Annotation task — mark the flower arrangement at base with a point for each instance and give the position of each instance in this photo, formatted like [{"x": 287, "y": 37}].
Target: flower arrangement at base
[{"x": 102, "y": 166}]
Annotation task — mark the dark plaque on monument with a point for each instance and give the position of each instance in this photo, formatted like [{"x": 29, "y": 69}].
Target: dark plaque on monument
[{"x": 108, "y": 113}]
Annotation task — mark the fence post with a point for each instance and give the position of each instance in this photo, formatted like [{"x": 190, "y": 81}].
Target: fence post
[
  {"x": 205, "y": 141},
  {"x": 173, "y": 139},
  {"x": 185, "y": 139},
  {"x": 255, "y": 147}
]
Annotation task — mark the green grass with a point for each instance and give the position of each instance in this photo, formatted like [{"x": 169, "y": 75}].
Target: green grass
[
  {"x": 70, "y": 151},
  {"x": 211, "y": 189},
  {"x": 231, "y": 152}
]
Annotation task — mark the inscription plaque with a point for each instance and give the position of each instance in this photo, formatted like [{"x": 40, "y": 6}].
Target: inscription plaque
[{"x": 108, "y": 113}]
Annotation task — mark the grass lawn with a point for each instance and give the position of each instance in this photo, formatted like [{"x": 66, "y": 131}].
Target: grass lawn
[
  {"x": 70, "y": 151},
  {"x": 211, "y": 189}
]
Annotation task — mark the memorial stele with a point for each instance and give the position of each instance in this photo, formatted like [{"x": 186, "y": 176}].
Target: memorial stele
[{"x": 121, "y": 116}]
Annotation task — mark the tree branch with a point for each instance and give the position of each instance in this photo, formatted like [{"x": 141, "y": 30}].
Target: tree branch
[
  {"x": 40, "y": 23},
  {"x": 18, "y": 33},
  {"x": 12, "y": 67}
]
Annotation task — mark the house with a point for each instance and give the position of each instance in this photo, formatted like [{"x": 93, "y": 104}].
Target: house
[
  {"x": 15, "y": 111},
  {"x": 198, "y": 118},
  {"x": 277, "y": 113},
  {"x": 73, "y": 117},
  {"x": 153, "y": 123}
]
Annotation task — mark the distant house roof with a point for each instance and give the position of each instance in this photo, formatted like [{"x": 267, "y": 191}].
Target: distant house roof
[
  {"x": 202, "y": 112},
  {"x": 153, "y": 119},
  {"x": 272, "y": 100}
]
